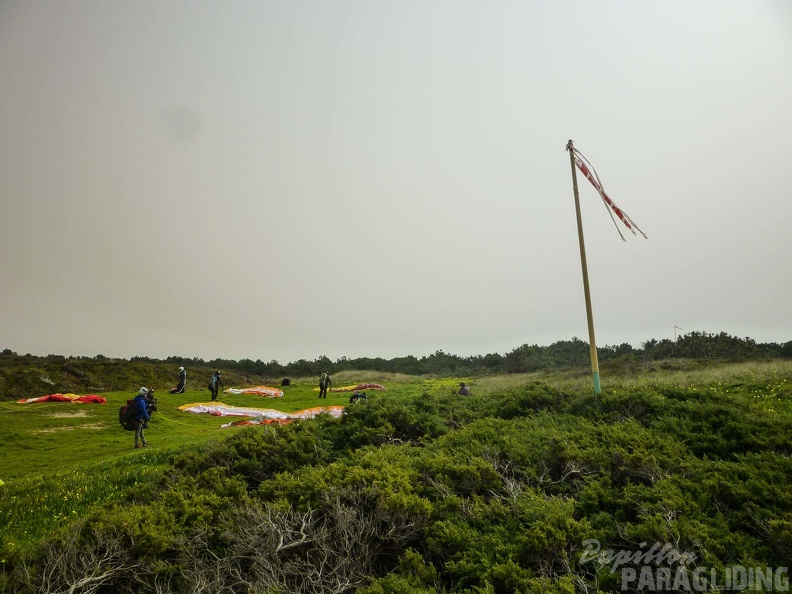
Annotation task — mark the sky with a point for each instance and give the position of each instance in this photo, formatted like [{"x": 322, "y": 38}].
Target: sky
[{"x": 290, "y": 180}]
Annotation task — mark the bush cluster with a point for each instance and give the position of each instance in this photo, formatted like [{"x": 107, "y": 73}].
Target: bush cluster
[{"x": 443, "y": 494}]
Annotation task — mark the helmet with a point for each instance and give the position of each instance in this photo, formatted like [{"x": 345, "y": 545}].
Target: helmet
[
  {"x": 143, "y": 391},
  {"x": 181, "y": 368}
]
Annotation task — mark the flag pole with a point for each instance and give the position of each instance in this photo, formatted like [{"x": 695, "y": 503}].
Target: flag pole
[{"x": 586, "y": 291}]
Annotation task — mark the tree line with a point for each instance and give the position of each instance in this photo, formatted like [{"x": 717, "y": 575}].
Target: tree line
[{"x": 564, "y": 354}]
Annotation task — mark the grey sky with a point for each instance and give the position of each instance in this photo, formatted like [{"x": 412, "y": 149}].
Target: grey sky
[{"x": 285, "y": 180}]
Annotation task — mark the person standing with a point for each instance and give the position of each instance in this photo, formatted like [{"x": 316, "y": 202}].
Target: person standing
[
  {"x": 141, "y": 417},
  {"x": 324, "y": 384},
  {"x": 179, "y": 389},
  {"x": 215, "y": 384}
]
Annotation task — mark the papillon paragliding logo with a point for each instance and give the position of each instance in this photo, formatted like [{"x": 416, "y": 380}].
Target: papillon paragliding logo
[{"x": 662, "y": 567}]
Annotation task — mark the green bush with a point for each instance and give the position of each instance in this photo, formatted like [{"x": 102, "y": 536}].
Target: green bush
[{"x": 432, "y": 493}]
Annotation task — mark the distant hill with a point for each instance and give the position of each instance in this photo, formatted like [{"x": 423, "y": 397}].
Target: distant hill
[{"x": 29, "y": 376}]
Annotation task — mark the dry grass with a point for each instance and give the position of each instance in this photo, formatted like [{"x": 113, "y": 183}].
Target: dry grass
[
  {"x": 65, "y": 415},
  {"x": 655, "y": 374},
  {"x": 70, "y": 428},
  {"x": 343, "y": 378},
  {"x": 666, "y": 374},
  {"x": 93, "y": 426}
]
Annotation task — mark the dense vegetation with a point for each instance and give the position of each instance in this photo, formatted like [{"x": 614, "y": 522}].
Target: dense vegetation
[
  {"x": 27, "y": 375},
  {"x": 431, "y": 492}
]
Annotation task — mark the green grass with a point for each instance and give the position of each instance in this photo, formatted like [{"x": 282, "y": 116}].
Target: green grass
[
  {"x": 61, "y": 458},
  {"x": 45, "y": 438},
  {"x": 33, "y": 506}
]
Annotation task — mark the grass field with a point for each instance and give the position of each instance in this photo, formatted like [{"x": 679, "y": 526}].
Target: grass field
[
  {"x": 46, "y": 438},
  {"x": 61, "y": 458}
]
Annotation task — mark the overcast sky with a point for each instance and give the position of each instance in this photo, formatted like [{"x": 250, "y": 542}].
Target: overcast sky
[{"x": 286, "y": 180}]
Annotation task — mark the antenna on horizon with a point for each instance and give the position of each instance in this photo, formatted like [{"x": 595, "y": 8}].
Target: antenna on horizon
[{"x": 675, "y": 335}]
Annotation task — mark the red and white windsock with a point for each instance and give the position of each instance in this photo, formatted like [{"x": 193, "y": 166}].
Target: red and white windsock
[{"x": 587, "y": 169}]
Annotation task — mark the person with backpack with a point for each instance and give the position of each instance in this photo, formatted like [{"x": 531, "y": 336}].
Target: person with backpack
[
  {"x": 324, "y": 384},
  {"x": 214, "y": 385},
  {"x": 179, "y": 389},
  {"x": 141, "y": 417},
  {"x": 358, "y": 397}
]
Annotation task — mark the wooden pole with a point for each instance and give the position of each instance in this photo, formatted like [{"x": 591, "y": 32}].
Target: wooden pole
[{"x": 586, "y": 291}]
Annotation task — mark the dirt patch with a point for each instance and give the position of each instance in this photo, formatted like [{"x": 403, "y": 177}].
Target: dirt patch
[
  {"x": 65, "y": 415},
  {"x": 54, "y": 429},
  {"x": 69, "y": 428},
  {"x": 93, "y": 426}
]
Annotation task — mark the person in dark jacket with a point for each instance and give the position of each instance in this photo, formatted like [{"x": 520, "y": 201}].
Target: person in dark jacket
[
  {"x": 215, "y": 384},
  {"x": 324, "y": 383},
  {"x": 141, "y": 417},
  {"x": 464, "y": 390},
  {"x": 358, "y": 397},
  {"x": 179, "y": 389}
]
